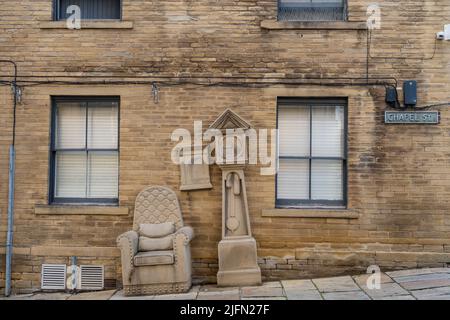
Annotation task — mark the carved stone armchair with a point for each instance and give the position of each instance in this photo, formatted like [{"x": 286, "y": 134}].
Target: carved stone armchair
[{"x": 161, "y": 271}]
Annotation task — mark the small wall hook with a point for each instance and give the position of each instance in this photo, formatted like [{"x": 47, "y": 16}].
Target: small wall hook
[{"x": 155, "y": 92}]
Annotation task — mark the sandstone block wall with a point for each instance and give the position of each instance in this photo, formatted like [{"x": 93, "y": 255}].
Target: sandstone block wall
[{"x": 398, "y": 177}]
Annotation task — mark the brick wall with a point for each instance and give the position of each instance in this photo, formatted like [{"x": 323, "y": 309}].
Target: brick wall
[{"x": 399, "y": 179}]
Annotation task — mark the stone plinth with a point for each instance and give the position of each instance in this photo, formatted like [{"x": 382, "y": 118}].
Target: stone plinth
[{"x": 238, "y": 264}]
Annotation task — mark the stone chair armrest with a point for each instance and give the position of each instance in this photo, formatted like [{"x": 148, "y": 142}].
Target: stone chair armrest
[
  {"x": 129, "y": 239},
  {"x": 188, "y": 232}
]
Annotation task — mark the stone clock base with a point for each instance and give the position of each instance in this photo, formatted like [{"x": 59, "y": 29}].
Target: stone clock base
[{"x": 238, "y": 265}]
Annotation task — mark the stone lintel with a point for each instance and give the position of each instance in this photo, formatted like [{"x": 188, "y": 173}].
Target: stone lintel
[
  {"x": 99, "y": 24},
  {"x": 57, "y": 251},
  {"x": 80, "y": 210},
  {"x": 311, "y": 213},
  {"x": 313, "y": 25}
]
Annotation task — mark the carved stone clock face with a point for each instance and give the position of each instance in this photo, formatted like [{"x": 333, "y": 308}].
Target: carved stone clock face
[{"x": 237, "y": 150}]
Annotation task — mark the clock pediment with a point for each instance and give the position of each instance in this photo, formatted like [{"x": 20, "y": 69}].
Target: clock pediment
[{"x": 230, "y": 120}]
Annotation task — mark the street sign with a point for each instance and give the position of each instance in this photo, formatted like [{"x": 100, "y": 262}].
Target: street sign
[{"x": 411, "y": 117}]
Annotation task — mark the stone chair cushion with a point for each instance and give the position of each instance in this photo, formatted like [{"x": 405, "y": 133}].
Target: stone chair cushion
[
  {"x": 154, "y": 258},
  {"x": 157, "y": 230},
  {"x": 155, "y": 244}
]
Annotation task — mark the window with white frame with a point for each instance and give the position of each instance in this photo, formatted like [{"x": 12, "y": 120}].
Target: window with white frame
[
  {"x": 90, "y": 9},
  {"x": 312, "y": 10},
  {"x": 85, "y": 150},
  {"x": 312, "y": 156}
]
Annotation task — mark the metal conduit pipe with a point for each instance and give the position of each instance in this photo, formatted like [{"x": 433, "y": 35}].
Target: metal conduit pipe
[{"x": 9, "y": 236}]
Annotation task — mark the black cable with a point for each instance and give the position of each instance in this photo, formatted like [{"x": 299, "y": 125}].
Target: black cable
[
  {"x": 155, "y": 78},
  {"x": 212, "y": 84},
  {"x": 181, "y": 81},
  {"x": 369, "y": 35}
]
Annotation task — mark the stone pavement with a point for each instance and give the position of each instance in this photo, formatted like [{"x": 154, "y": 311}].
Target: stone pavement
[{"x": 417, "y": 284}]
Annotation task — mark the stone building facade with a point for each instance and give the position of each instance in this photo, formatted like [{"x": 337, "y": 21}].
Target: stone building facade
[{"x": 207, "y": 56}]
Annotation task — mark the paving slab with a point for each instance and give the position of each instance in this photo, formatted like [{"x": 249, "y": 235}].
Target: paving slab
[
  {"x": 361, "y": 279},
  {"x": 120, "y": 296},
  {"x": 411, "y": 272},
  {"x": 263, "y": 298},
  {"x": 420, "y": 277},
  {"x": 214, "y": 288},
  {"x": 406, "y": 297},
  {"x": 416, "y": 284},
  {"x": 50, "y": 296},
  {"x": 268, "y": 289},
  {"x": 337, "y": 284},
  {"x": 425, "y": 284},
  {"x": 443, "y": 297},
  {"x": 97, "y": 295},
  {"x": 27, "y": 296},
  {"x": 219, "y": 295},
  {"x": 351, "y": 295},
  {"x": 386, "y": 290},
  {"x": 298, "y": 284},
  {"x": 431, "y": 294},
  {"x": 178, "y": 296},
  {"x": 295, "y": 294},
  {"x": 271, "y": 284},
  {"x": 191, "y": 295}
]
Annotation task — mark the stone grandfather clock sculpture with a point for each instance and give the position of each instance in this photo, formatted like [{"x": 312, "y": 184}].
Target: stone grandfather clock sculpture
[{"x": 237, "y": 250}]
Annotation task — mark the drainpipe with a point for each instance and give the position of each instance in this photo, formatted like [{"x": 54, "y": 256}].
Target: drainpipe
[{"x": 9, "y": 236}]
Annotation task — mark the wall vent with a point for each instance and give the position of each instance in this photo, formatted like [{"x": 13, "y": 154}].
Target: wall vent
[
  {"x": 92, "y": 277},
  {"x": 53, "y": 277}
]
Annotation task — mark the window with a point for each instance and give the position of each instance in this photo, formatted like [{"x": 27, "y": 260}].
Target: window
[
  {"x": 311, "y": 153},
  {"x": 85, "y": 150},
  {"x": 90, "y": 9},
  {"x": 312, "y": 10}
]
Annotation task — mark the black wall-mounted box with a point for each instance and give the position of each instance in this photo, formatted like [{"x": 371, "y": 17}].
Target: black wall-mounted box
[
  {"x": 410, "y": 92},
  {"x": 391, "y": 95}
]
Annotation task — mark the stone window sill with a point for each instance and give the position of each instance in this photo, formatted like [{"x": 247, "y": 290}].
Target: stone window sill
[
  {"x": 102, "y": 210},
  {"x": 313, "y": 25},
  {"x": 91, "y": 24},
  {"x": 311, "y": 213}
]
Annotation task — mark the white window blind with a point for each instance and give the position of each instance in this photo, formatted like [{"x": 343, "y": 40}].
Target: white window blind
[
  {"x": 71, "y": 126},
  {"x": 293, "y": 125},
  {"x": 293, "y": 179},
  {"x": 103, "y": 175},
  {"x": 70, "y": 174},
  {"x": 102, "y": 126},
  {"x": 86, "y": 150},
  {"x": 326, "y": 180},
  {"x": 311, "y": 153},
  {"x": 327, "y": 131}
]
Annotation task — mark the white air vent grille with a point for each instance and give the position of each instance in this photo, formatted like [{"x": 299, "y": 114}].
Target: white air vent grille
[
  {"x": 53, "y": 276},
  {"x": 92, "y": 277}
]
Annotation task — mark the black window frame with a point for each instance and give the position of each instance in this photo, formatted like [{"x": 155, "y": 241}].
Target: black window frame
[
  {"x": 53, "y": 150},
  {"x": 57, "y": 13},
  {"x": 302, "y": 203},
  {"x": 280, "y": 17}
]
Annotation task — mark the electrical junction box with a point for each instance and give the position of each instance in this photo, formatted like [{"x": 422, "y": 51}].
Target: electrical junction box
[
  {"x": 410, "y": 92},
  {"x": 391, "y": 95},
  {"x": 447, "y": 32}
]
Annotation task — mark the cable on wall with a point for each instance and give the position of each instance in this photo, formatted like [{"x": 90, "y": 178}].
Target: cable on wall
[{"x": 344, "y": 81}]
